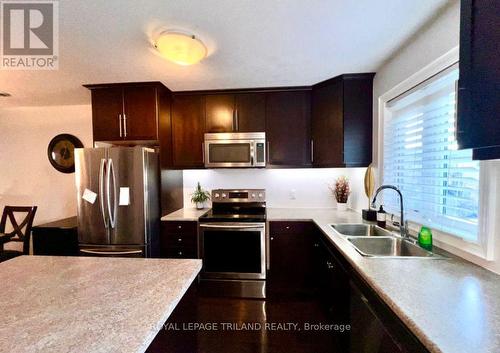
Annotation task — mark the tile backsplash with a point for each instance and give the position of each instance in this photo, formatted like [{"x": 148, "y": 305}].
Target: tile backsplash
[{"x": 290, "y": 188}]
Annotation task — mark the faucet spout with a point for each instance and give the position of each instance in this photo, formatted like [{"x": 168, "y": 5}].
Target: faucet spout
[{"x": 402, "y": 225}]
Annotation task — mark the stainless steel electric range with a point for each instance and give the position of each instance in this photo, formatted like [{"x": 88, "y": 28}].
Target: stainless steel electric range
[{"x": 233, "y": 244}]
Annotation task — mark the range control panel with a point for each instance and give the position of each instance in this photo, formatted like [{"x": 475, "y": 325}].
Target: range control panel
[{"x": 239, "y": 195}]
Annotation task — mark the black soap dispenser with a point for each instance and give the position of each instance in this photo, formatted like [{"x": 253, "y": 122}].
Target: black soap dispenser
[{"x": 381, "y": 217}]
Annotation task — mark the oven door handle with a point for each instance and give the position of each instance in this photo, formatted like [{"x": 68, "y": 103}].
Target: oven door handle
[{"x": 232, "y": 226}]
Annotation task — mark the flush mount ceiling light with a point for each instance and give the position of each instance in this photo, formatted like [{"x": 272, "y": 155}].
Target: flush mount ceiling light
[{"x": 180, "y": 48}]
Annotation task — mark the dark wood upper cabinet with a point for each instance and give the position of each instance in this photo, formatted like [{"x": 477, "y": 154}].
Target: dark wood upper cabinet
[
  {"x": 188, "y": 128},
  {"x": 342, "y": 121},
  {"x": 288, "y": 118},
  {"x": 241, "y": 112},
  {"x": 250, "y": 114},
  {"x": 327, "y": 125},
  {"x": 127, "y": 112},
  {"x": 141, "y": 113},
  {"x": 478, "y": 118},
  {"x": 107, "y": 107},
  {"x": 220, "y": 113}
]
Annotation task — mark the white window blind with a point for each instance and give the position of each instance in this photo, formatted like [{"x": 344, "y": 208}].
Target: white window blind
[{"x": 440, "y": 183}]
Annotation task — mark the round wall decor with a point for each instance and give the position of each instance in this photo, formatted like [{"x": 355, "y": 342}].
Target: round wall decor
[{"x": 61, "y": 152}]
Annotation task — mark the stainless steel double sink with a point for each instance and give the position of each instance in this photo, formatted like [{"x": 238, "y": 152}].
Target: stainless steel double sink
[{"x": 372, "y": 241}]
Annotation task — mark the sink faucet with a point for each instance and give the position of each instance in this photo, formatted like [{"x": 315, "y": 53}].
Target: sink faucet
[{"x": 403, "y": 225}]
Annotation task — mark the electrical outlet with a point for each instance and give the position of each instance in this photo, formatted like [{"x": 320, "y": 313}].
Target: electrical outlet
[{"x": 293, "y": 194}]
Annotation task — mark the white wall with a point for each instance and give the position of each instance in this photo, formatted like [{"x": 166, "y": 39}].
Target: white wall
[
  {"x": 310, "y": 186},
  {"x": 436, "y": 38},
  {"x": 26, "y": 176}
]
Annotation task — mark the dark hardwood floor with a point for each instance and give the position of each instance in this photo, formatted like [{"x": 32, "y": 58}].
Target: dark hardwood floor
[{"x": 259, "y": 336}]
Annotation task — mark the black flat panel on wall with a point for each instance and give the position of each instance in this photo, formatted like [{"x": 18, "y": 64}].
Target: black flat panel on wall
[{"x": 478, "y": 119}]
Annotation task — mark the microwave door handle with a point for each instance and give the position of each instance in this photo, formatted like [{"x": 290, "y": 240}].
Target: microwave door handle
[{"x": 252, "y": 154}]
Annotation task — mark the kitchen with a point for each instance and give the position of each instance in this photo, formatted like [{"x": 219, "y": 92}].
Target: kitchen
[{"x": 278, "y": 138}]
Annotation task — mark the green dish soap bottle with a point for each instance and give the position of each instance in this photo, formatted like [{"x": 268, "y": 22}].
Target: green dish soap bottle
[{"x": 425, "y": 238}]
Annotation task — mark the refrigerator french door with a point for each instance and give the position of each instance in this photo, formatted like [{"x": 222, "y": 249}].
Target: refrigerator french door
[{"x": 118, "y": 204}]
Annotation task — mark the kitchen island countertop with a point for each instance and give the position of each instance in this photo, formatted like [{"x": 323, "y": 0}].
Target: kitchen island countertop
[{"x": 88, "y": 304}]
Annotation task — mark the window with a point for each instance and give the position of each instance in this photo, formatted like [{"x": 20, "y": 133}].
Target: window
[{"x": 440, "y": 183}]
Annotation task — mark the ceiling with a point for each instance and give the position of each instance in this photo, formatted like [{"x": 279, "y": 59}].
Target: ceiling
[{"x": 251, "y": 43}]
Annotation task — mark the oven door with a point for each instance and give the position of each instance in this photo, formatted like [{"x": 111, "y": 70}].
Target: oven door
[{"x": 233, "y": 250}]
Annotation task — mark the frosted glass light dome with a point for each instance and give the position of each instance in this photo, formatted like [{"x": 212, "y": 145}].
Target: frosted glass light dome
[{"x": 181, "y": 48}]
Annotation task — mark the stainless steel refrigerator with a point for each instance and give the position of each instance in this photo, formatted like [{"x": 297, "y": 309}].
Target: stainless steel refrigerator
[{"x": 118, "y": 201}]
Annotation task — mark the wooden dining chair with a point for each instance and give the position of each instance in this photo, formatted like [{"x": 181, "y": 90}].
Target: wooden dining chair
[{"x": 21, "y": 231}]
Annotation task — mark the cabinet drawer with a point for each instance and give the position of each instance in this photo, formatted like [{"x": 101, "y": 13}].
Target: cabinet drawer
[
  {"x": 289, "y": 227},
  {"x": 179, "y": 239},
  {"x": 182, "y": 252},
  {"x": 181, "y": 227}
]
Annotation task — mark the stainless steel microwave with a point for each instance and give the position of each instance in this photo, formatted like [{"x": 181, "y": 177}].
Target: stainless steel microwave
[{"x": 235, "y": 150}]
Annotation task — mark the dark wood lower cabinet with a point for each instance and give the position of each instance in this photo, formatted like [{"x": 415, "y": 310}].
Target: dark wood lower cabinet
[
  {"x": 304, "y": 261},
  {"x": 309, "y": 282},
  {"x": 291, "y": 259},
  {"x": 368, "y": 333},
  {"x": 179, "y": 239},
  {"x": 58, "y": 238}
]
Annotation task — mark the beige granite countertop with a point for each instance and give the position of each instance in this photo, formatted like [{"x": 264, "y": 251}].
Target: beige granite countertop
[
  {"x": 88, "y": 304},
  {"x": 451, "y": 305},
  {"x": 185, "y": 214}
]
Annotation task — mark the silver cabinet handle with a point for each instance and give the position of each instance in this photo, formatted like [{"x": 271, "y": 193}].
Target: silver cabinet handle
[
  {"x": 237, "y": 121},
  {"x": 112, "y": 214},
  {"x": 120, "y": 122},
  {"x": 233, "y": 126},
  {"x": 101, "y": 191},
  {"x": 312, "y": 151},
  {"x": 124, "y": 125}
]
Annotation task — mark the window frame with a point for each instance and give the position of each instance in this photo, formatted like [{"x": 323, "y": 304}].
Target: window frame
[{"x": 489, "y": 172}]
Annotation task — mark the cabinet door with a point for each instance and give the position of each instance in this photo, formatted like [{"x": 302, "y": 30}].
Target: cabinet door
[
  {"x": 288, "y": 116},
  {"x": 188, "y": 127},
  {"x": 478, "y": 119},
  {"x": 291, "y": 255},
  {"x": 250, "y": 112},
  {"x": 107, "y": 110},
  {"x": 141, "y": 112},
  {"x": 368, "y": 333},
  {"x": 219, "y": 113},
  {"x": 358, "y": 120},
  {"x": 328, "y": 125}
]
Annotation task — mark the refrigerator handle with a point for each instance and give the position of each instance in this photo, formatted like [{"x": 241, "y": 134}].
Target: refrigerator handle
[
  {"x": 101, "y": 191},
  {"x": 111, "y": 213}
]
